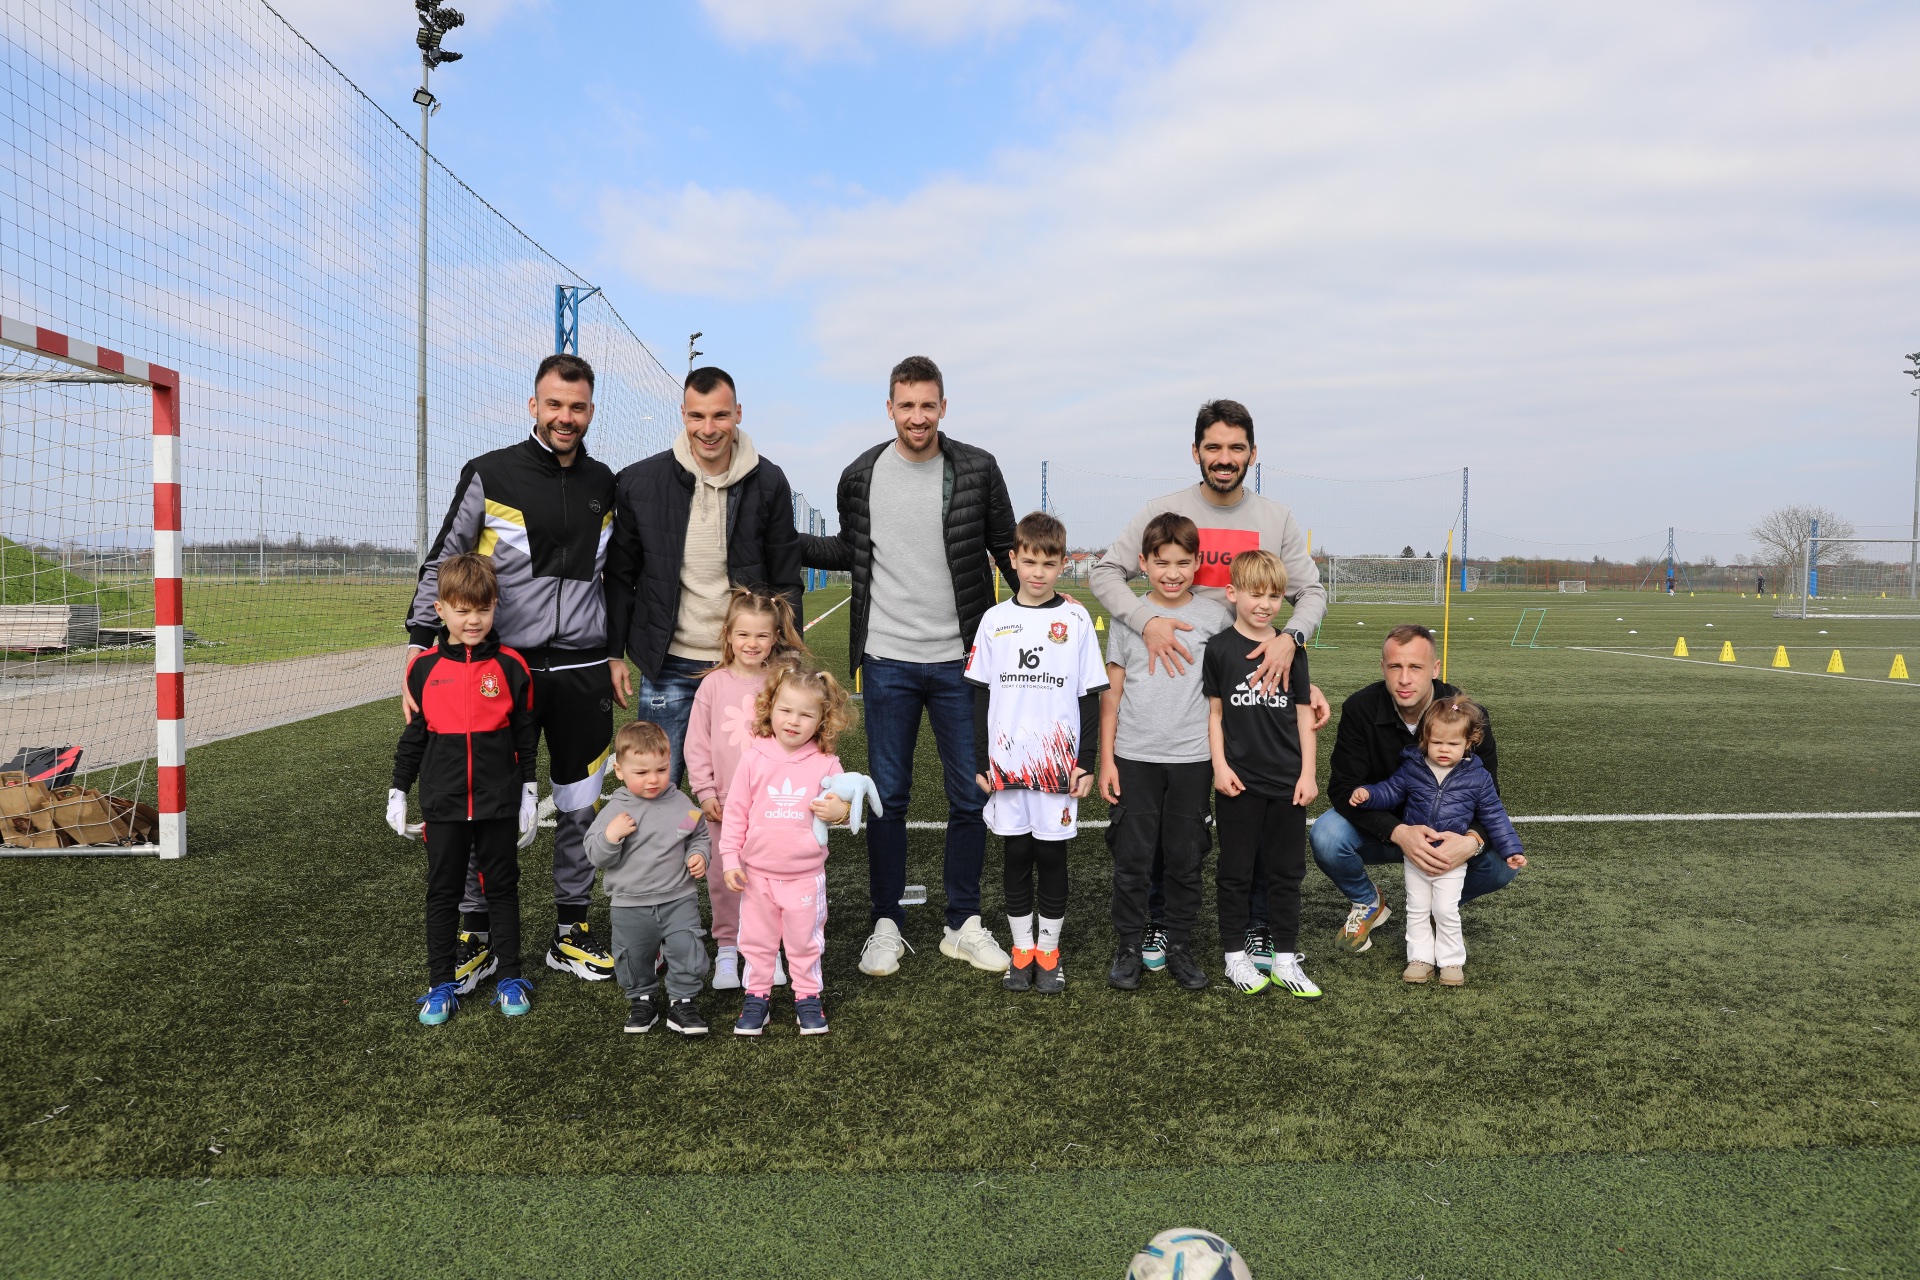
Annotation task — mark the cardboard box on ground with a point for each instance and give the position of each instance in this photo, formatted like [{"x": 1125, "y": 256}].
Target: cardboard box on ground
[{"x": 34, "y": 816}]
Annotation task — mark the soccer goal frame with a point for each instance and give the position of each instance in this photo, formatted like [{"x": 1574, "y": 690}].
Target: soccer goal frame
[
  {"x": 1573, "y": 586},
  {"x": 1410, "y": 580},
  {"x": 1809, "y": 568},
  {"x": 94, "y": 363}
]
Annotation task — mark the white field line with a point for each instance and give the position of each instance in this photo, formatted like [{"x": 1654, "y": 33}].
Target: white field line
[
  {"x": 1805, "y": 816},
  {"x": 823, "y": 617},
  {"x": 1735, "y": 666}
]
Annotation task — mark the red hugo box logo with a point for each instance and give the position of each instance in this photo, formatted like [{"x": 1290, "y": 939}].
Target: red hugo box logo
[
  {"x": 489, "y": 685},
  {"x": 1218, "y": 547}
]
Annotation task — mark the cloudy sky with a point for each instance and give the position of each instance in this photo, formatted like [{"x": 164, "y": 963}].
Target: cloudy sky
[{"x": 1635, "y": 264}]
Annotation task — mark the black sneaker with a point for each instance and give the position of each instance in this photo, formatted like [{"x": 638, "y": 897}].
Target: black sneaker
[
  {"x": 641, "y": 1015},
  {"x": 1153, "y": 949},
  {"x": 1127, "y": 969},
  {"x": 1260, "y": 947},
  {"x": 575, "y": 951},
  {"x": 1049, "y": 976},
  {"x": 1184, "y": 969},
  {"x": 1020, "y": 969},
  {"x": 683, "y": 1017},
  {"x": 473, "y": 963}
]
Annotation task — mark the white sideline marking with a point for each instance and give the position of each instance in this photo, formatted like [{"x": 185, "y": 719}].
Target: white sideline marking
[
  {"x": 823, "y": 617},
  {"x": 1735, "y": 666},
  {"x": 1805, "y": 816}
]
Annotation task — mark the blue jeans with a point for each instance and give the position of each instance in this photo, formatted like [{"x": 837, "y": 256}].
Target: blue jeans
[
  {"x": 1344, "y": 852},
  {"x": 896, "y": 693},
  {"x": 668, "y": 702}
]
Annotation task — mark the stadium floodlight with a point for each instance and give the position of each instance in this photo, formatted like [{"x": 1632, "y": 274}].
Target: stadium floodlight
[
  {"x": 1913, "y": 556},
  {"x": 693, "y": 355},
  {"x": 435, "y": 21}
]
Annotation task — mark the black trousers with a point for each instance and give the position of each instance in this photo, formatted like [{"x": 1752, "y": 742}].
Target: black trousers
[
  {"x": 491, "y": 845},
  {"x": 1268, "y": 833},
  {"x": 1160, "y": 834},
  {"x": 1029, "y": 859}
]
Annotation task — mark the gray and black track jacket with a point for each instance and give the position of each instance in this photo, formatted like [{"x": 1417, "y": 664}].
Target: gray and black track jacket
[{"x": 545, "y": 527}]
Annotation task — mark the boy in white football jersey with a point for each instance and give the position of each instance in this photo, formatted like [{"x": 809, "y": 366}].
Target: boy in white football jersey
[{"x": 1038, "y": 674}]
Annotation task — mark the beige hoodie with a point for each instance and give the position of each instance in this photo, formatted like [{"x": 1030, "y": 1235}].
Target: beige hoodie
[{"x": 703, "y": 561}]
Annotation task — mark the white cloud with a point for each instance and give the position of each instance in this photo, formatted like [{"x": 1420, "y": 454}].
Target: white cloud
[
  {"x": 1634, "y": 263},
  {"x": 817, "y": 26}
]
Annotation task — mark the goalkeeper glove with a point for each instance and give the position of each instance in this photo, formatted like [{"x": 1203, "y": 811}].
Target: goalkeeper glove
[
  {"x": 529, "y": 807},
  {"x": 397, "y": 810}
]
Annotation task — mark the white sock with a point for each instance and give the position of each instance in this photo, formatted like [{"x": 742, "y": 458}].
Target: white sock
[
  {"x": 1022, "y": 927},
  {"x": 1236, "y": 955},
  {"x": 1050, "y": 933}
]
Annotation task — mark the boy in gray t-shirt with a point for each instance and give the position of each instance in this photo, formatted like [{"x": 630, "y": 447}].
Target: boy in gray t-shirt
[{"x": 1156, "y": 769}]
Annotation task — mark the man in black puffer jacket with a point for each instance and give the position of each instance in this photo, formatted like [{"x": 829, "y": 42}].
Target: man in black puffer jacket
[
  {"x": 689, "y": 524},
  {"x": 923, "y": 521}
]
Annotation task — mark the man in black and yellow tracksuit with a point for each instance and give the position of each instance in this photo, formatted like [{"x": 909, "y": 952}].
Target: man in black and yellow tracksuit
[{"x": 541, "y": 510}]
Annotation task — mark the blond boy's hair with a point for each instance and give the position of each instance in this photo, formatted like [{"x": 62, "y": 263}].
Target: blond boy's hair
[
  {"x": 1258, "y": 571},
  {"x": 640, "y": 738}
]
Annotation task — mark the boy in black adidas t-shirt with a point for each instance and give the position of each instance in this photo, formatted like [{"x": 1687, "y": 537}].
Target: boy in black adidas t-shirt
[{"x": 1263, "y": 768}]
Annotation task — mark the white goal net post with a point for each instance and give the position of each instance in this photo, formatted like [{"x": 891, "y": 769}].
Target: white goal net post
[
  {"x": 1384, "y": 579},
  {"x": 1573, "y": 586},
  {"x": 1855, "y": 578},
  {"x": 90, "y": 462}
]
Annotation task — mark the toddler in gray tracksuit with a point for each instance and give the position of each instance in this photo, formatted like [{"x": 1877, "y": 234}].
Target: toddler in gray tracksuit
[{"x": 651, "y": 843}]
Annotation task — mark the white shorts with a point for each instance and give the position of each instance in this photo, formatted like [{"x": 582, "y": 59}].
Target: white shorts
[{"x": 1040, "y": 814}]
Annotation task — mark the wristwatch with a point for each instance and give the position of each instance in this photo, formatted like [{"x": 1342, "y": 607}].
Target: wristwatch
[{"x": 1299, "y": 640}]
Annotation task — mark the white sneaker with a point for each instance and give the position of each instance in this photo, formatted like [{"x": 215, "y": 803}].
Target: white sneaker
[
  {"x": 971, "y": 942},
  {"x": 1244, "y": 974},
  {"x": 881, "y": 954},
  {"x": 726, "y": 969},
  {"x": 1288, "y": 973}
]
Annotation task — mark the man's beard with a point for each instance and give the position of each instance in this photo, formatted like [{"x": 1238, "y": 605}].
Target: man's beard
[{"x": 1213, "y": 483}]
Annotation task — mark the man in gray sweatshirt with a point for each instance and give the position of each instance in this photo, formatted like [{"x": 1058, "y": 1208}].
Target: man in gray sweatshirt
[{"x": 651, "y": 843}]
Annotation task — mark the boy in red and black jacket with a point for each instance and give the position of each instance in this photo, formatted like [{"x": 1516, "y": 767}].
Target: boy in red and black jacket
[{"x": 472, "y": 748}]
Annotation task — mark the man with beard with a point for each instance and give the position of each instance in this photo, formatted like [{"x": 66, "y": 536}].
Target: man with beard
[{"x": 1230, "y": 520}]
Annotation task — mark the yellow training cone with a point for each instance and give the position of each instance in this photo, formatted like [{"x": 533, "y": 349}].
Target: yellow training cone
[
  {"x": 1899, "y": 671},
  {"x": 1680, "y": 649},
  {"x": 1780, "y": 657},
  {"x": 1726, "y": 651},
  {"x": 1099, "y": 624},
  {"x": 1835, "y": 666}
]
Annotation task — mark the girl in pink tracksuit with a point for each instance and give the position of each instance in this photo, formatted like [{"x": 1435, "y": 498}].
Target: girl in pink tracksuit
[
  {"x": 758, "y": 630},
  {"x": 768, "y": 853}
]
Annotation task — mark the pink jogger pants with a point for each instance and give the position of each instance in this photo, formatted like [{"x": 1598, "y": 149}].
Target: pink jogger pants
[
  {"x": 773, "y": 912},
  {"x": 724, "y": 902}
]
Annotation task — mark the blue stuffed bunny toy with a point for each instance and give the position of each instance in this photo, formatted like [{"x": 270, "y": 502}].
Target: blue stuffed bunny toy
[{"x": 856, "y": 789}]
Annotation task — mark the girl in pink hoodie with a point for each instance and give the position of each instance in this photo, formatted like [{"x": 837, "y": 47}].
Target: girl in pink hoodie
[
  {"x": 768, "y": 853},
  {"x": 758, "y": 630}
]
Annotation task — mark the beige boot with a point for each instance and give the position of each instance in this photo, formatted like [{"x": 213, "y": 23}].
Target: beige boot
[
  {"x": 1417, "y": 971},
  {"x": 1453, "y": 975}
]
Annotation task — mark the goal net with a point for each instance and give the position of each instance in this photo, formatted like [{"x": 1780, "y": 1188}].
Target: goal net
[
  {"x": 1854, "y": 578},
  {"x": 1383, "y": 579},
  {"x": 1573, "y": 586},
  {"x": 278, "y": 277}
]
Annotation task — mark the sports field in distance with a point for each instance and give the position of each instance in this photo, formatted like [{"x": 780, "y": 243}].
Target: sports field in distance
[{"x": 1687, "y": 1048}]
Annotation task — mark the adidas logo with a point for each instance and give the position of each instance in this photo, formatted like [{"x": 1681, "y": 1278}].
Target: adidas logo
[
  {"x": 787, "y": 801},
  {"x": 1245, "y": 697}
]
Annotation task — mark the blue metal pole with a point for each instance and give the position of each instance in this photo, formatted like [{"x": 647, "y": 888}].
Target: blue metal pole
[{"x": 1813, "y": 560}]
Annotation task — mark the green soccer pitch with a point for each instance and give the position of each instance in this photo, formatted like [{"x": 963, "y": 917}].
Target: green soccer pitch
[{"x": 1687, "y": 1048}]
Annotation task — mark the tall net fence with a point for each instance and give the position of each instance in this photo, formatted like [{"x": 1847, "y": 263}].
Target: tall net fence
[{"x": 189, "y": 180}]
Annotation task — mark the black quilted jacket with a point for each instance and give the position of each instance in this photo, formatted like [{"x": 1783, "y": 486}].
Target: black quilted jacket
[
  {"x": 652, "y": 502},
  {"x": 978, "y": 517}
]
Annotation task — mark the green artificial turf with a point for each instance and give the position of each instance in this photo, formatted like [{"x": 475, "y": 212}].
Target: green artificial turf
[{"x": 1695, "y": 994}]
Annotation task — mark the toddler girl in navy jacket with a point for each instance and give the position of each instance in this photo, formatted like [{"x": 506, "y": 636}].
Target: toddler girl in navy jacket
[{"x": 1441, "y": 784}]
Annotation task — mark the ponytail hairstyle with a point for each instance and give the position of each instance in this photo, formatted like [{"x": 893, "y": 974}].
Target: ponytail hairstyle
[
  {"x": 790, "y": 672},
  {"x": 1454, "y": 711},
  {"x": 769, "y": 604}
]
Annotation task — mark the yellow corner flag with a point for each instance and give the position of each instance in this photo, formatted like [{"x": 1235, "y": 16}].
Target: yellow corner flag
[
  {"x": 1899, "y": 671},
  {"x": 1680, "y": 649},
  {"x": 1835, "y": 666},
  {"x": 1726, "y": 651},
  {"x": 1780, "y": 657}
]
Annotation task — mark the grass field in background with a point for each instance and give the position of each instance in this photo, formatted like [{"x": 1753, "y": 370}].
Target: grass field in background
[{"x": 1684, "y": 1049}]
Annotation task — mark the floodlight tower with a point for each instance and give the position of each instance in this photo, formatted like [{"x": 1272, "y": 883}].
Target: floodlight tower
[
  {"x": 1913, "y": 548},
  {"x": 693, "y": 355},
  {"x": 435, "y": 21}
]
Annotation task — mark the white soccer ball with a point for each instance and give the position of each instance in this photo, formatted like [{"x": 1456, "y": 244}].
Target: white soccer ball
[{"x": 1187, "y": 1253}]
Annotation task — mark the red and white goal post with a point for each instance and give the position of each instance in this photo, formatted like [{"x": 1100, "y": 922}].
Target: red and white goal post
[{"x": 169, "y": 660}]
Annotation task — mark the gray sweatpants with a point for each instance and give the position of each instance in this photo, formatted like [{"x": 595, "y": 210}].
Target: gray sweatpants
[{"x": 640, "y": 932}]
